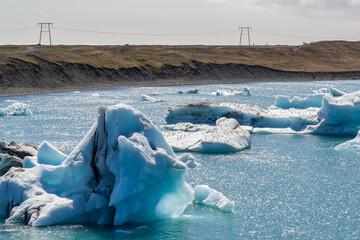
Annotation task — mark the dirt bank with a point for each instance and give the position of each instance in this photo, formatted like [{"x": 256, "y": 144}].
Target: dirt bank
[{"x": 32, "y": 69}]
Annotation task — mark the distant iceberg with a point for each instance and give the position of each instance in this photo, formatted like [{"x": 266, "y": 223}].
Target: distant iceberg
[
  {"x": 230, "y": 92},
  {"x": 245, "y": 114},
  {"x": 122, "y": 171},
  {"x": 337, "y": 116},
  {"x": 226, "y": 136},
  {"x": 16, "y": 109},
  {"x": 311, "y": 100},
  {"x": 191, "y": 91},
  {"x": 147, "y": 98},
  {"x": 351, "y": 145}
]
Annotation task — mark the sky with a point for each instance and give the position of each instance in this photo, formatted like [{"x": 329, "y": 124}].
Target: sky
[{"x": 170, "y": 22}]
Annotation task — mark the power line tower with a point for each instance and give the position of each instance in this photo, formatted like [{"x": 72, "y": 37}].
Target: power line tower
[
  {"x": 244, "y": 31},
  {"x": 43, "y": 27}
]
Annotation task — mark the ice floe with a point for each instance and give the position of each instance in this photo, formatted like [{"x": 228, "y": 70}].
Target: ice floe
[
  {"x": 123, "y": 170},
  {"x": 207, "y": 196},
  {"x": 226, "y": 136},
  {"x": 351, "y": 145},
  {"x": 230, "y": 92},
  {"x": 16, "y": 109},
  {"x": 147, "y": 98},
  {"x": 245, "y": 114},
  {"x": 311, "y": 100},
  {"x": 191, "y": 91}
]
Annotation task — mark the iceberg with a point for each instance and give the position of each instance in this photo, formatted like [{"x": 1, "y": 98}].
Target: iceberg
[
  {"x": 226, "y": 136},
  {"x": 16, "y": 109},
  {"x": 204, "y": 195},
  {"x": 245, "y": 114},
  {"x": 230, "y": 92},
  {"x": 351, "y": 145},
  {"x": 122, "y": 171},
  {"x": 147, "y": 98},
  {"x": 338, "y": 115},
  {"x": 311, "y": 100}
]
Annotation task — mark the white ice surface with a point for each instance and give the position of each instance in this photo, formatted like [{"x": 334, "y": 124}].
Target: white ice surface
[{"x": 226, "y": 136}]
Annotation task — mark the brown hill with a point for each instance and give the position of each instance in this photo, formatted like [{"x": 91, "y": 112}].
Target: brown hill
[{"x": 53, "y": 68}]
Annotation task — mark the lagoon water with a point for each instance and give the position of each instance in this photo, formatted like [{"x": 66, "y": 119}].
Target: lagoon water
[{"x": 284, "y": 186}]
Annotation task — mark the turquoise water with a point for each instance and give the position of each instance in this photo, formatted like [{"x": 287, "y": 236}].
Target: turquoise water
[{"x": 284, "y": 186}]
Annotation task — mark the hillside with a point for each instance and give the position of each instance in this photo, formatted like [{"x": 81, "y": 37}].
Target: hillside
[{"x": 26, "y": 69}]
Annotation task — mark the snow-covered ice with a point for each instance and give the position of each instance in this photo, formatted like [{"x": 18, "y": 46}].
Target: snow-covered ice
[
  {"x": 122, "y": 171},
  {"x": 226, "y": 136},
  {"x": 16, "y": 109},
  {"x": 351, "y": 145},
  {"x": 207, "y": 196}
]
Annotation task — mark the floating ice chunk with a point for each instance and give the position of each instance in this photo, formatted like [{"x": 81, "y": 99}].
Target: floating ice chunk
[
  {"x": 147, "y": 98},
  {"x": 95, "y": 95},
  {"x": 226, "y": 136},
  {"x": 16, "y": 109},
  {"x": 311, "y": 100},
  {"x": 230, "y": 92},
  {"x": 76, "y": 92},
  {"x": 48, "y": 154},
  {"x": 122, "y": 171},
  {"x": 245, "y": 114},
  {"x": 333, "y": 91},
  {"x": 204, "y": 195},
  {"x": 351, "y": 145},
  {"x": 338, "y": 115},
  {"x": 192, "y": 91}
]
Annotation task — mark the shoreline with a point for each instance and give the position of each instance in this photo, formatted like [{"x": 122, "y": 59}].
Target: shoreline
[{"x": 18, "y": 91}]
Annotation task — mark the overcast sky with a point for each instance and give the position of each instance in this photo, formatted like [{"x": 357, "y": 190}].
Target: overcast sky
[{"x": 272, "y": 21}]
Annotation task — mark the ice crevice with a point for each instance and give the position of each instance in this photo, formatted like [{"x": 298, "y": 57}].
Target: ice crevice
[{"x": 123, "y": 170}]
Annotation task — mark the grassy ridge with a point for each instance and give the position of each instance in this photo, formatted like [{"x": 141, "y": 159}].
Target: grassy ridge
[{"x": 334, "y": 56}]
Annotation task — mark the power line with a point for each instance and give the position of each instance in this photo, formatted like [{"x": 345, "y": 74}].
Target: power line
[
  {"x": 144, "y": 34},
  {"x": 294, "y": 36},
  {"x": 17, "y": 29}
]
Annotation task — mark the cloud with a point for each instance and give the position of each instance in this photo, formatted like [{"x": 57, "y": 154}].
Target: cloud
[{"x": 316, "y": 4}]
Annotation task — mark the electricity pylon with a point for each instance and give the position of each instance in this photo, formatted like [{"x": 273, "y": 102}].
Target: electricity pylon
[
  {"x": 42, "y": 29},
  {"x": 244, "y": 31}
]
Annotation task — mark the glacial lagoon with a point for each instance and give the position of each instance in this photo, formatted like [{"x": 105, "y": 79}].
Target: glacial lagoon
[{"x": 284, "y": 185}]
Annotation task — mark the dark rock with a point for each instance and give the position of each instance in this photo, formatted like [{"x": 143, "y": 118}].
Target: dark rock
[
  {"x": 7, "y": 161},
  {"x": 12, "y": 154}
]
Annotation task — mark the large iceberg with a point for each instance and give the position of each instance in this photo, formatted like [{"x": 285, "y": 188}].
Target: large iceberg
[
  {"x": 226, "y": 136},
  {"x": 16, "y": 109},
  {"x": 123, "y": 170}
]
